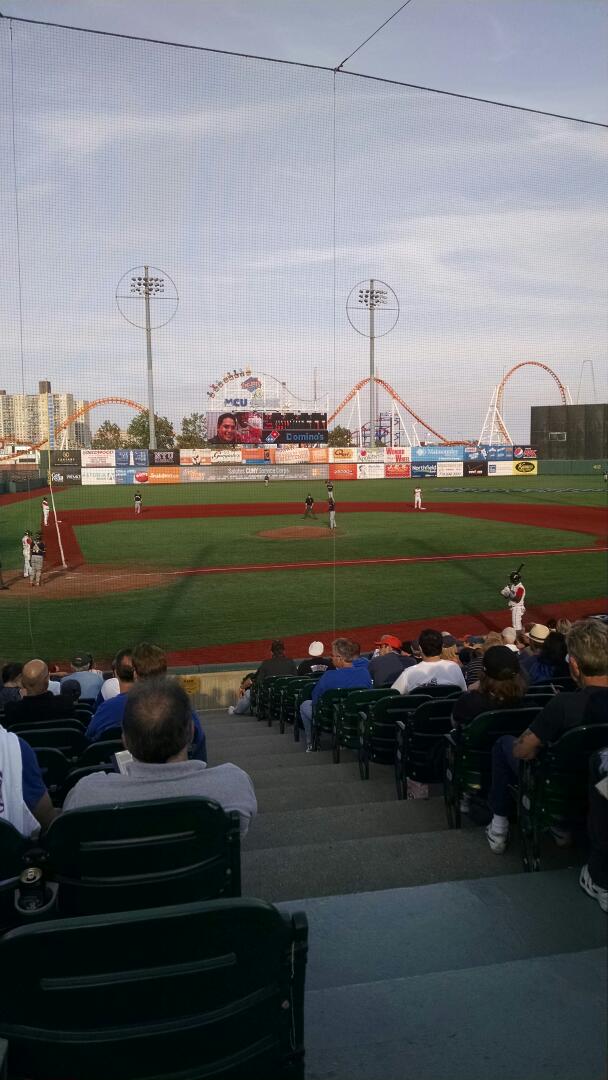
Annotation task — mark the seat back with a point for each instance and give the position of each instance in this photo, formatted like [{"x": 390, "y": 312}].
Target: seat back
[
  {"x": 69, "y": 739},
  {"x": 73, "y": 724},
  {"x": 143, "y": 854},
  {"x": 262, "y": 697},
  {"x": 275, "y": 697},
  {"x": 439, "y": 691},
  {"x": 77, "y": 774},
  {"x": 13, "y": 847},
  {"x": 352, "y": 713},
  {"x": 54, "y": 766},
  {"x": 425, "y": 733},
  {"x": 323, "y": 712},
  {"x": 197, "y": 990},
  {"x": 474, "y": 752},
  {"x": 100, "y": 753}
]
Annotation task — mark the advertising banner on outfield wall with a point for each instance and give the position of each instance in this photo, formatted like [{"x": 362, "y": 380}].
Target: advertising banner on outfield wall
[
  {"x": 500, "y": 468},
  {"x": 525, "y": 453},
  {"x": 221, "y": 474},
  {"x": 319, "y": 455},
  {"x": 525, "y": 468},
  {"x": 291, "y": 455},
  {"x": 343, "y": 453},
  {"x": 397, "y": 453},
  {"x": 98, "y": 459},
  {"x": 91, "y": 477},
  {"x": 65, "y": 457},
  {"x": 343, "y": 470},
  {"x": 423, "y": 468},
  {"x": 372, "y": 470},
  {"x": 163, "y": 457},
  {"x": 475, "y": 468},
  {"x": 193, "y": 474},
  {"x": 450, "y": 468},
  {"x": 138, "y": 458},
  {"x": 65, "y": 475},
  {"x": 192, "y": 457},
  {"x": 487, "y": 452},
  {"x": 397, "y": 470},
  {"x": 167, "y": 475},
  {"x": 127, "y": 476},
  {"x": 371, "y": 453},
  {"x": 250, "y": 455},
  {"x": 437, "y": 453}
]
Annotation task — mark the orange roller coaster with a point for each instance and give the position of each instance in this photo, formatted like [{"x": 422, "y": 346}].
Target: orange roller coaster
[
  {"x": 494, "y": 427},
  {"x": 72, "y": 419},
  {"x": 395, "y": 397}
]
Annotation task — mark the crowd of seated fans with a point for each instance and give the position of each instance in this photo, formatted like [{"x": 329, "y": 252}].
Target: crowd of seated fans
[{"x": 167, "y": 744}]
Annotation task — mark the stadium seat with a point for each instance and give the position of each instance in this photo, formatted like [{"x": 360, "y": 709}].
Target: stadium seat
[
  {"x": 433, "y": 691},
  {"x": 273, "y": 707},
  {"x": 200, "y": 991},
  {"x": 13, "y": 847},
  {"x": 379, "y": 730},
  {"x": 421, "y": 744},
  {"x": 77, "y": 774},
  {"x": 298, "y": 689},
  {"x": 73, "y": 724},
  {"x": 553, "y": 787},
  {"x": 110, "y": 734},
  {"x": 100, "y": 753},
  {"x": 323, "y": 714},
  {"x": 350, "y": 716},
  {"x": 54, "y": 766},
  {"x": 144, "y": 854},
  {"x": 65, "y": 737},
  {"x": 468, "y": 758},
  {"x": 263, "y": 696}
]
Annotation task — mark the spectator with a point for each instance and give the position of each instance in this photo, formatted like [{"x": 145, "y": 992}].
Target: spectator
[
  {"x": 587, "y": 644},
  {"x": 122, "y": 667},
  {"x": 317, "y": 662},
  {"x": 471, "y": 662},
  {"x": 594, "y": 876},
  {"x": 24, "y": 800},
  {"x": 243, "y": 705},
  {"x": 149, "y": 662},
  {"x": 390, "y": 661},
  {"x": 279, "y": 664},
  {"x": 501, "y": 686},
  {"x": 90, "y": 681},
  {"x": 38, "y": 704},
  {"x": 350, "y": 671},
  {"x": 492, "y": 638},
  {"x": 548, "y": 660},
  {"x": 157, "y": 731},
  {"x": 508, "y": 636},
  {"x": 535, "y": 639},
  {"x": 450, "y": 648},
  {"x": 433, "y": 670},
  {"x": 11, "y": 683}
]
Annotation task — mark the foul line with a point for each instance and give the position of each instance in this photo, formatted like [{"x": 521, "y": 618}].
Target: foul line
[{"x": 381, "y": 561}]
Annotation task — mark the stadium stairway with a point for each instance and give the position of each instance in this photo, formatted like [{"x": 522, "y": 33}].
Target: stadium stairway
[{"x": 429, "y": 955}]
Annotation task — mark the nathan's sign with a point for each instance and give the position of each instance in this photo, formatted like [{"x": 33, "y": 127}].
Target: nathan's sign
[{"x": 250, "y": 382}]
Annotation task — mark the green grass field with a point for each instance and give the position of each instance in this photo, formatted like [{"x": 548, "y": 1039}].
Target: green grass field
[{"x": 201, "y": 610}]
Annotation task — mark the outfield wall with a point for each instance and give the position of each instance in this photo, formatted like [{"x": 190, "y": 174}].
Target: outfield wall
[{"x": 222, "y": 465}]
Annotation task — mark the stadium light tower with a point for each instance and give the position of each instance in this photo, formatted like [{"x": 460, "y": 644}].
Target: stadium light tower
[
  {"x": 152, "y": 286},
  {"x": 374, "y": 297}
]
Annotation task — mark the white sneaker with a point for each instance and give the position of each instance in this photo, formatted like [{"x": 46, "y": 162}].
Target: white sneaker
[
  {"x": 230, "y": 709},
  {"x": 586, "y": 882},
  {"x": 497, "y": 841},
  {"x": 309, "y": 748},
  {"x": 465, "y": 804}
]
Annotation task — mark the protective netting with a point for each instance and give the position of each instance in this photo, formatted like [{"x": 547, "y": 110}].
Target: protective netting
[{"x": 266, "y": 193}]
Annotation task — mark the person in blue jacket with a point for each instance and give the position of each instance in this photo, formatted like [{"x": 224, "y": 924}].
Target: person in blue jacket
[{"x": 350, "y": 671}]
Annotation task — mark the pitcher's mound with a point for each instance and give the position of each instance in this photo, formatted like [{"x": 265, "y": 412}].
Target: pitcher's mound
[{"x": 298, "y": 532}]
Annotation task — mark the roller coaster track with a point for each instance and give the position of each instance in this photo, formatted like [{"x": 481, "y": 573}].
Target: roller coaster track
[
  {"x": 72, "y": 419},
  {"x": 395, "y": 396}
]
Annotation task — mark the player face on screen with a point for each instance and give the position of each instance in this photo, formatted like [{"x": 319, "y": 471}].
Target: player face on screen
[{"x": 226, "y": 428}]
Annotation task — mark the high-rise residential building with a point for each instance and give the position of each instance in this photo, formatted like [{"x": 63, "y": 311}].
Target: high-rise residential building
[{"x": 33, "y": 418}]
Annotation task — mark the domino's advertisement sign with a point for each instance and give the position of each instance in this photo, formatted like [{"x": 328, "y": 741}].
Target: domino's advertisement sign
[
  {"x": 421, "y": 469},
  {"x": 124, "y": 458},
  {"x": 436, "y": 453}
]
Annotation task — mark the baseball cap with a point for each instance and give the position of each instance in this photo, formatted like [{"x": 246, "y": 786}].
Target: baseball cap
[
  {"x": 500, "y": 662},
  {"x": 538, "y": 633},
  {"x": 316, "y": 648},
  {"x": 81, "y": 659},
  {"x": 389, "y": 639}
]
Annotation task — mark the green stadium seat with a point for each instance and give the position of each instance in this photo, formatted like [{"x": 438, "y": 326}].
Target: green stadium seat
[
  {"x": 13, "y": 848},
  {"x": 468, "y": 758},
  {"x": 144, "y": 854},
  {"x": 65, "y": 737},
  {"x": 54, "y": 767},
  {"x": 294, "y": 696},
  {"x": 275, "y": 695},
  {"x": 553, "y": 787},
  {"x": 323, "y": 714},
  {"x": 76, "y": 774},
  {"x": 74, "y": 724},
  {"x": 263, "y": 695},
  {"x": 421, "y": 744},
  {"x": 196, "y": 991},
  {"x": 350, "y": 719},
  {"x": 100, "y": 753}
]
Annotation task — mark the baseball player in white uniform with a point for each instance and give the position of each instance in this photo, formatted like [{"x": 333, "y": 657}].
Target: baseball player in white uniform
[
  {"x": 331, "y": 506},
  {"x": 515, "y": 594},
  {"x": 417, "y": 498},
  {"x": 45, "y": 511},
  {"x": 26, "y": 547}
]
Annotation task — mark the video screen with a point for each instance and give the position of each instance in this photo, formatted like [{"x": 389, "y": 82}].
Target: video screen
[{"x": 253, "y": 428}]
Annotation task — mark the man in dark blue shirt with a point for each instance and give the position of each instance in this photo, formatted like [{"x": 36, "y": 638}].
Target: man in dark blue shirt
[{"x": 350, "y": 671}]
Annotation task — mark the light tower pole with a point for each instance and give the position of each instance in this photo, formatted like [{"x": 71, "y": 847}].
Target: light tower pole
[
  {"x": 148, "y": 284},
  {"x": 370, "y": 297}
]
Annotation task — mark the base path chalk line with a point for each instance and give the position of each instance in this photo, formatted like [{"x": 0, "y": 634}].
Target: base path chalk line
[{"x": 380, "y": 561}]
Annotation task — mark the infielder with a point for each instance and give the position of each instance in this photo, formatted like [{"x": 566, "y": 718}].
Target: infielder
[
  {"x": 309, "y": 507},
  {"x": 37, "y": 559},
  {"x": 26, "y": 547},
  {"x": 137, "y": 502},
  {"x": 417, "y": 498},
  {"x": 515, "y": 593},
  {"x": 331, "y": 506},
  {"x": 45, "y": 511}
]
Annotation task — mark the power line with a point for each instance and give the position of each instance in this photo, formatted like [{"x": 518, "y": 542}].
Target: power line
[
  {"x": 385, "y": 23},
  {"x": 303, "y": 64}
]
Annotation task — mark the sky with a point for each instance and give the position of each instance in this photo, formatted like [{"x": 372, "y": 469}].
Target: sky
[{"x": 268, "y": 191}]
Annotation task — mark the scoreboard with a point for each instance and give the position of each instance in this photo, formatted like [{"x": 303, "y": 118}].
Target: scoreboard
[{"x": 294, "y": 428}]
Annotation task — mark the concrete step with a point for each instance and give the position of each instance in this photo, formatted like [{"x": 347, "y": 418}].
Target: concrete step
[
  {"x": 304, "y": 827},
  {"x": 370, "y": 864},
  {"x": 298, "y": 775},
  {"x": 281, "y": 797}
]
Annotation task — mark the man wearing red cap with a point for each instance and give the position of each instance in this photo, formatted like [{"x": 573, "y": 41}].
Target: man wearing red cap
[{"x": 390, "y": 661}]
